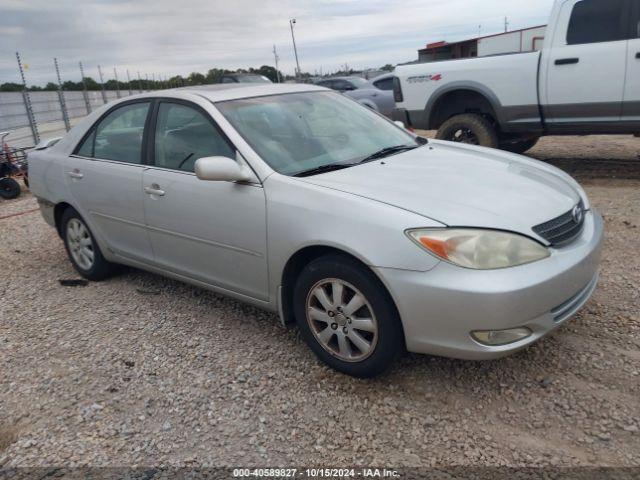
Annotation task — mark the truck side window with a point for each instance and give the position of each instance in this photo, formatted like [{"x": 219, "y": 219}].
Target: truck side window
[{"x": 597, "y": 21}]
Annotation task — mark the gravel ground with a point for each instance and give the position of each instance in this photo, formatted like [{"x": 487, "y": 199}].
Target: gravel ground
[{"x": 141, "y": 370}]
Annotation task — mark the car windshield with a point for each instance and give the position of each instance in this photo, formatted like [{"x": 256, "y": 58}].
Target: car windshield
[{"x": 303, "y": 132}]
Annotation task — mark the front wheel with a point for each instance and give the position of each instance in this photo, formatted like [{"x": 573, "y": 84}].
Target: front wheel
[
  {"x": 469, "y": 128},
  {"x": 9, "y": 188},
  {"x": 83, "y": 250},
  {"x": 347, "y": 317}
]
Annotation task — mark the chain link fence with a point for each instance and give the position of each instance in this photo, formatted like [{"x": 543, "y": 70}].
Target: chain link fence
[
  {"x": 31, "y": 115},
  {"x": 48, "y": 113}
]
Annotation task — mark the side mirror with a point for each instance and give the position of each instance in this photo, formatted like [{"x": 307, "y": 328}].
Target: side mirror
[
  {"x": 400, "y": 124},
  {"x": 222, "y": 169}
]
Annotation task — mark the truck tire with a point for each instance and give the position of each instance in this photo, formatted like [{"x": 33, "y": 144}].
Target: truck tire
[
  {"x": 469, "y": 128},
  {"x": 519, "y": 146},
  {"x": 9, "y": 188}
]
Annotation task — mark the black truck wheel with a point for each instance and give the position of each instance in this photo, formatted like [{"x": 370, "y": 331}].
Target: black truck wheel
[{"x": 469, "y": 128}]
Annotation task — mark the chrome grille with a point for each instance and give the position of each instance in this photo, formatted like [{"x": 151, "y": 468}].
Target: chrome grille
[{"x": 563, "y": 229}]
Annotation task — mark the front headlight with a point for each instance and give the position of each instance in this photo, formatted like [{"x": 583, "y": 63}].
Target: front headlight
[{"x": 479, "y": 249}]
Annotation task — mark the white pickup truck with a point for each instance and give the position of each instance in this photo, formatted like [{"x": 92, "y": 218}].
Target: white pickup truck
[{"x": 586, "y": 80}]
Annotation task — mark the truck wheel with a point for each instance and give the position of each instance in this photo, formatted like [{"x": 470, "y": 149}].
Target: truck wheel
[
  {"x": 518, "y": 146},
  {"x": 469, "y": 128},
  {"x": 9, "y": 188}
]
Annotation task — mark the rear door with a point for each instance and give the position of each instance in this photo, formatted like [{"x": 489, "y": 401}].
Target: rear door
[
  {"x": 631, "y": 106},
  {"x": 104, "y": 176},
  {"x": 213, "y": 232},
  {"x": 586, "y": 65}
]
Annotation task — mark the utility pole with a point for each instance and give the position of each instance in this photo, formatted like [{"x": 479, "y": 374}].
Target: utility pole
[
  {"x": 139, "y": 83},
  {"x": 295, "y": 49},
  {"x": 506, "y": 24},
  {"x": 275, "y": 56}
]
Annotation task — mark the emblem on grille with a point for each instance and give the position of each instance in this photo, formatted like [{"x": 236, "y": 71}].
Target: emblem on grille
[{"x": 577, "y": 214}]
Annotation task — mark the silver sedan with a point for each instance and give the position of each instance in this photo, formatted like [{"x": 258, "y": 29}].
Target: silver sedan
[{"x": 301, "y": 201}]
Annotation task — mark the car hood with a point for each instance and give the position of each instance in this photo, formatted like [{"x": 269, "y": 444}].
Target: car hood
[{"x": 462, "y": 186}]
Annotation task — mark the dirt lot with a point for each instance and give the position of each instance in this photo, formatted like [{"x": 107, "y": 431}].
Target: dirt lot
[{"x": 141, "y": 370}]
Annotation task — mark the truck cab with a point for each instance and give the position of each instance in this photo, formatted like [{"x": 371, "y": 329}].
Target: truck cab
[{"x": 586, "y": 80}]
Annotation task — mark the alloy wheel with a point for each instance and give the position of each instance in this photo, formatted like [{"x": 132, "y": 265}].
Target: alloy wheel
[
  {"x": 342, "y": 320},
  {"x": 80, "y": 244}
]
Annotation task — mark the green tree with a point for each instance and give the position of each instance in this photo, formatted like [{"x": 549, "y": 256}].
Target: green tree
[
  {"x": 11, "y": 87},
  {"x": 196, "y": 78},
  {"x": 388, "y": 68}
]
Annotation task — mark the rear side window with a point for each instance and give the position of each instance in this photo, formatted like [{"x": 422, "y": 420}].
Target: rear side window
[
  {"x": 183, "y": 135},
  {"x": 118, "y": 136},
  {"x": 597, "y": 21},
  {"x": 384, "y": 84}
]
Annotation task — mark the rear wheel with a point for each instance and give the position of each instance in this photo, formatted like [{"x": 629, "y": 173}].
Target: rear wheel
[
  {"x": 9, "y": 188},
  {"x": 347, "y": 317},
  {"x": 518, "y": 145},
  {"x": 469, "y": 128},
  {"x": 83, "y": 250}
]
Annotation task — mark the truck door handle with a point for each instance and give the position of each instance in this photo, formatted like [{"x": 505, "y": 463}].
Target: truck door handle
[
  {"x": 76, "y": 174},
  {"x": 154, "y": 190},
  {"x": 567, "y": 61}
]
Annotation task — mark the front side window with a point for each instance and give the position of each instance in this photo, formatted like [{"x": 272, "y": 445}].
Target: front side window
[
  {"x": 118, "y": 136},
  {"x": 298, "y": 132},
  {"x": 597, "y": 21},
  {"x": 183, "y": 135}
]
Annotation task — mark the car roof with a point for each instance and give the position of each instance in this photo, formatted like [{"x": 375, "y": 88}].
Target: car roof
[{"x": 231, "y": 91}]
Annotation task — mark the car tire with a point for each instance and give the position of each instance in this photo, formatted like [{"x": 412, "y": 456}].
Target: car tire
[
  {"x": 518, "y": 145},
  {"x": 360, "y": 341},
  {"x": 82, "y": 248},
  {"x": 469, "y": 128},
  {"x": 9, "y": 188}
]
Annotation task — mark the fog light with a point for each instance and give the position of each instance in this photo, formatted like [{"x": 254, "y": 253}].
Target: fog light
[{"x": 497, "y": 338}]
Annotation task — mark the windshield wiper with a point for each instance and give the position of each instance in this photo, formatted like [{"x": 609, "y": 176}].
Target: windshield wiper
[
  {"x": 387, "y": 152},
  {"x": 332, "y": 167}
]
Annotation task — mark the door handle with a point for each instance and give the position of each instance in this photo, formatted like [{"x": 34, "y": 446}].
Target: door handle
[
  {"x": 76, "y": 174},
  {"x": 638, "y": 55},
  {"x": 154, "y": 190},
  {"x": 567, "y": 61}
]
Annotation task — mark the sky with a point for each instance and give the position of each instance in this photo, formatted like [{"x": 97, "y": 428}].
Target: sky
[{"x": 170, "y": 37}]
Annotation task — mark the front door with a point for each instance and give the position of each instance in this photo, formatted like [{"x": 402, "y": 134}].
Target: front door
[
  {"x": 586, "y": 67},
  {"x": 104, "y": 176},
  {"x": 213, "y": 232}
]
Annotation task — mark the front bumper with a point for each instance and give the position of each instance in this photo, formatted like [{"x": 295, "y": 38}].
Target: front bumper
[{"x": 441, "y": 307}]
